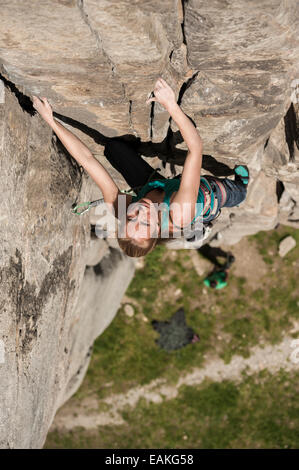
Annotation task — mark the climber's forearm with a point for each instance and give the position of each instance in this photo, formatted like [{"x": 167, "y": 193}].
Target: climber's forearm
[
  {"x": 187, "y": 195},
  {"x": 186, "y": 127},
  {"x": 72, "y": 143},
  {"x": 81, "y": 153}
]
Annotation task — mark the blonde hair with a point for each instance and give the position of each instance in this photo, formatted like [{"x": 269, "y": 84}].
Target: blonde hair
[{"x": 135, "y": 251}]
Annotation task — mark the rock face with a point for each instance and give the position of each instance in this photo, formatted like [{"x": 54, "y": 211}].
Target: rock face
[
  {"x": 234, "y": 67},
  {"x": 286, "y": 245},
  {"x": 59, "y": 288}
]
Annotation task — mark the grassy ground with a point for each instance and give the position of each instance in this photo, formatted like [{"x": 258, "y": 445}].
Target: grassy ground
[
  {"x": 228, "y": 322},
  {"x": 216, "y": 415}
]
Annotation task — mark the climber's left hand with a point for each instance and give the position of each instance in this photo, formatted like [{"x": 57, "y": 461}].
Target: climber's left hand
[{"x": 44, "y": 108}]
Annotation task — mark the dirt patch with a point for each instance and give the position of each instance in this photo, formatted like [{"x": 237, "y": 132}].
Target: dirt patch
[
  {"x": 85, "y": 414},
  {"x": 249, "y": 263}
]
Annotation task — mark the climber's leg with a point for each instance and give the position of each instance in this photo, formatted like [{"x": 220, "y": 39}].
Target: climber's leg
[
  {"x": 236, "y": 190},
  {"x": 212, "y": 253},
  {"x": 125, "y": 159},
  {"x": 230, "y": 260}
]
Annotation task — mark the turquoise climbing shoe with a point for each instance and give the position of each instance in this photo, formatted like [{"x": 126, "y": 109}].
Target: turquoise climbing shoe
[{"x": 242, "y": 172}]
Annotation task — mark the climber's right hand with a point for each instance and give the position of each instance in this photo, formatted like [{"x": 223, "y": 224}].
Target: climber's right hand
[
  {"x": 163, "y": 94},
  {"x": 44, "y": 108}
]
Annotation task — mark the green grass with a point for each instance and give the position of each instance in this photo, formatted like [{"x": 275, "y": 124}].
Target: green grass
[
  {"x": 260, "y": 412},
  {"x": 229, "y": 322},
  {"x": 268, "y": 244}
]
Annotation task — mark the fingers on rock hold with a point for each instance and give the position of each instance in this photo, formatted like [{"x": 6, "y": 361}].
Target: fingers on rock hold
[
  {"x": 151, "y": 97},
  {"x": 164, "y": 82}
]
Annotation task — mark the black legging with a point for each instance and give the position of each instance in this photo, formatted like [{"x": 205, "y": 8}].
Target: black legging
[
  {"x": 212, "y": 253},
  {"x": 125, "y": 159}
]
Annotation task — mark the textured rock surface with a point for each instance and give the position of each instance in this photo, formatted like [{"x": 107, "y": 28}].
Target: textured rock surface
[
  {"x": 234, "y": 66},
  {"x": 52, "y": 305},
  {"x": 286, "y": 245}
]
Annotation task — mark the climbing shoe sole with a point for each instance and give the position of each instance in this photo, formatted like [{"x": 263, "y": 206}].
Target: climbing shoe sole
[{"x": 243, "y": 172}]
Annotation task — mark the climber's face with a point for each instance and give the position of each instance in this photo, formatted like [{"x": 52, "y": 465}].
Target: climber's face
[{"x": 142, "y": 220}]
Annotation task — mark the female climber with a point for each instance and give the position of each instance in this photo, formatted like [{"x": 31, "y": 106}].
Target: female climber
[{"x": 162, "y": 208}]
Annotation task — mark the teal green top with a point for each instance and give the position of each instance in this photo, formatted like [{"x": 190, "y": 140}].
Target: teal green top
[
  {"x": 170, "y": 186},
  {"x": 219, "y": 277}
]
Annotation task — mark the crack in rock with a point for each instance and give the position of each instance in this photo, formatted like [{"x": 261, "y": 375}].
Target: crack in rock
[
  {"x": 96, "y": 35},
  {"x": 24, "y": 101}
]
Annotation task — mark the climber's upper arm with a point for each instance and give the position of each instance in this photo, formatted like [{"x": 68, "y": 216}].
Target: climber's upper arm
[{"x": 184, "y": 209}]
